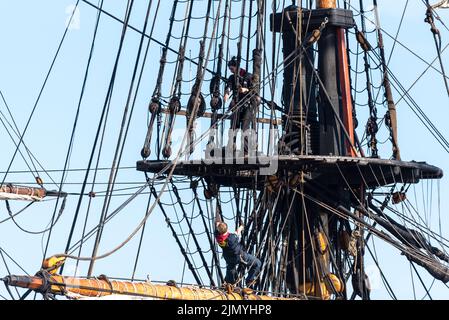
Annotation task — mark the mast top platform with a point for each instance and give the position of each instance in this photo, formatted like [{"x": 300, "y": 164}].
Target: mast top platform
[
  {"x": 247, "y": 173},
  {"x": 311, "y": 19}
]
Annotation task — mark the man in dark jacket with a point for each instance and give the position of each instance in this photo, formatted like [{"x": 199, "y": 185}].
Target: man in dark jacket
[
  {"x": 239, "y": 85},
  {"x": 234, "y": 254}
]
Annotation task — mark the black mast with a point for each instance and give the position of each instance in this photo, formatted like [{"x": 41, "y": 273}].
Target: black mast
[{"x": 313, "y": 111}]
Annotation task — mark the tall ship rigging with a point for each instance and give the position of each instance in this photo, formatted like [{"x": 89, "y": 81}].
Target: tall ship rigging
[{"x": 282, "y": 117}]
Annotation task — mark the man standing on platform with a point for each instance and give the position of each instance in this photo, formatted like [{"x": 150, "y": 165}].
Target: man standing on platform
[{"x": 239, "y": 85}]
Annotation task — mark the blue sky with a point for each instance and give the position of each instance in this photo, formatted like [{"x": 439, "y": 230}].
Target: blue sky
[{"x": 30, "y": 32}]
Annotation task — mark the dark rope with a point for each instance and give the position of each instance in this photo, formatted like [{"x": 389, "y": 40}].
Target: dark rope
[{"x": 181, "y": 248}]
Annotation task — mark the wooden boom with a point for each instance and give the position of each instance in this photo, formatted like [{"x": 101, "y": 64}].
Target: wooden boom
[
  {"x": 10, "y": 192},
  {"x": 96, "y": 288}
]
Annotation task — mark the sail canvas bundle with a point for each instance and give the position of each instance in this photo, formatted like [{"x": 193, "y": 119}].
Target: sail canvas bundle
[
  {"x": 441, "y": 4},
  {"x": 10, "y": 192}
]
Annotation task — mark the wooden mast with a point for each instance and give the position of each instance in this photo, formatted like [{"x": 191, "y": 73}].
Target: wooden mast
[
  {"x": 326, "y": 4},
  {"x": 345, "y": 87}
]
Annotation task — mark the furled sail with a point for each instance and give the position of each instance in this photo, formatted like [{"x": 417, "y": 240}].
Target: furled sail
[
  {"x": 10, "y": 192},
  {"x": 441, "y": 4}
]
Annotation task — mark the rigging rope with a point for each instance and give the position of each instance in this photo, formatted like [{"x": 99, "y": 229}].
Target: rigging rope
[
  {"x": 17, "y": 133},
  {"x": 140, "y": 243},
  {"x": 22, "y": 135},
  {"x": 438, "y": 42},
  {"x": 371, "y": 126},
  {"x": 172, "y": 165},
  {"x": 52, "y": 223},
  {"x": 102, "y": 119},
  {"x": 242, "y": 201},
  {"x": 121, "y": 140},
  {"x": 175, "y": 191},
  {"x": 184, "y": 253},
  {"x": 86, "y": 75}
]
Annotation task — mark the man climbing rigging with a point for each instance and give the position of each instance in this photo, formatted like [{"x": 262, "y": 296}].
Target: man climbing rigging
[
  {"x": 234, "y": 254},
  {"x": 239, "y": 85}
]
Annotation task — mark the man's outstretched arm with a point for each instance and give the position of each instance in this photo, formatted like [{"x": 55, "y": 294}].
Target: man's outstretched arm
[
  {"x": 226, "y": 95},
  {"x": 240, "y": 229},
  {"x": 218, "y": 219}
]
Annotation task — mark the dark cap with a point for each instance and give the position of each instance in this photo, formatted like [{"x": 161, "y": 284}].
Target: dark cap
[{"x": 233, "y": 62}]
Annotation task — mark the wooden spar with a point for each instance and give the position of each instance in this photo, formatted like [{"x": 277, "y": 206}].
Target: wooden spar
[
  {"x": 326, "y": 4},
  {"x": 10, "y": 192},
  {"x": 96, "y": 288},
  {"x": 388, "y": 92},
  {"x": 345, "y": 91},
  {"x": 209, "y": 115}
]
